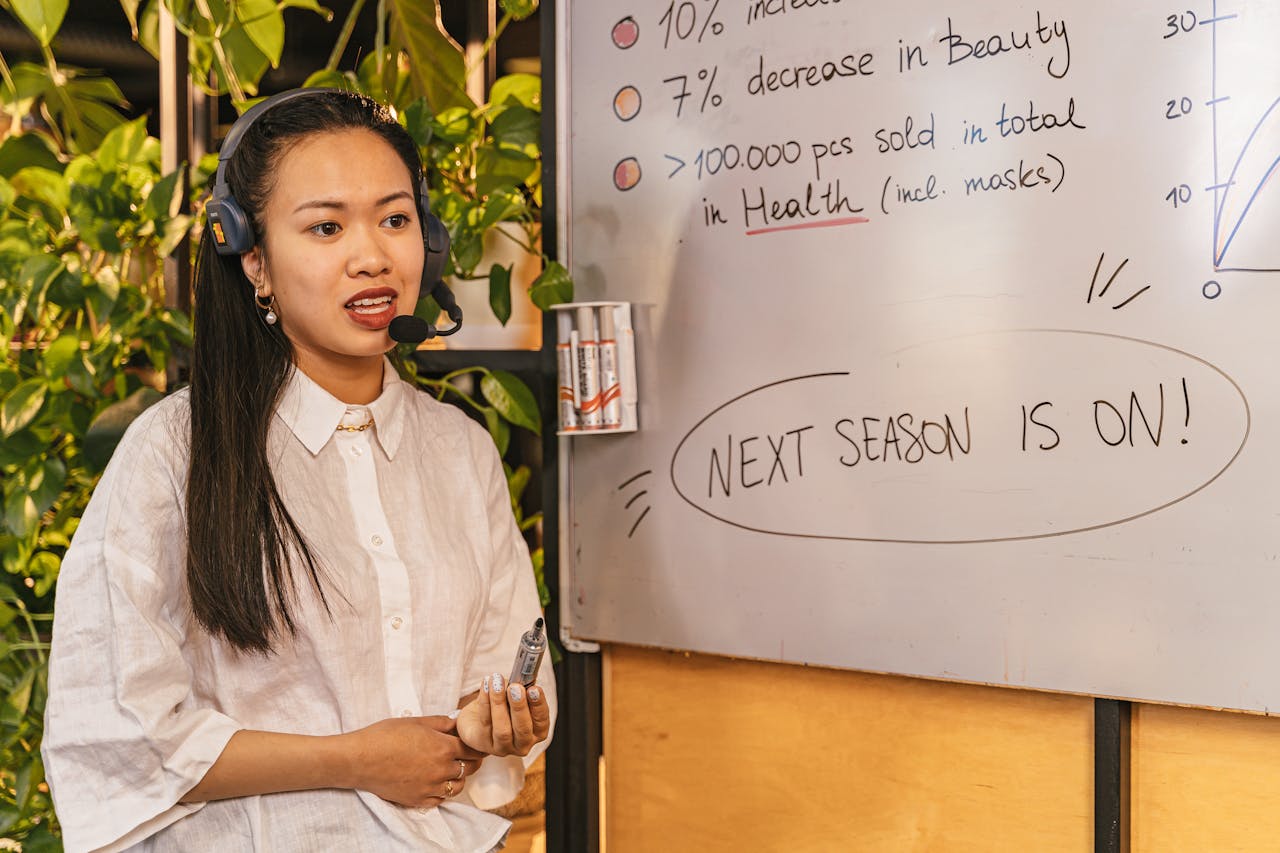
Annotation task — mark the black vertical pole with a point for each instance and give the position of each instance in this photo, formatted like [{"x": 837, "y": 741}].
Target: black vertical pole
[
  {"x": 1111, "y": 725},
  {"x": 573, "y": 759}
]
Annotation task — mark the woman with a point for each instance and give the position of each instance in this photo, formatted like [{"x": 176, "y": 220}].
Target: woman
[{"x": 292, "y": 572}]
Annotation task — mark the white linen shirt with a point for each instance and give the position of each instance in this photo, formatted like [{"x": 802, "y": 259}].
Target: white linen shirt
[{"x": 430, "y": 587}]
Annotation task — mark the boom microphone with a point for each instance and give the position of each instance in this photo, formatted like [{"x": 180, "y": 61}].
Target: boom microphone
[{"x": 407, "y": 329}]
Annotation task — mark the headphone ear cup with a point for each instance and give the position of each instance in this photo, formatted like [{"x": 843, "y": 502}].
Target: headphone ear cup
[
  {"x": 229, "y": 226},
  {"x": 436, "y": 241}
]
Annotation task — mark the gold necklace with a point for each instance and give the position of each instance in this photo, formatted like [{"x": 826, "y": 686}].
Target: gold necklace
[{"x": 361, "y": 428}]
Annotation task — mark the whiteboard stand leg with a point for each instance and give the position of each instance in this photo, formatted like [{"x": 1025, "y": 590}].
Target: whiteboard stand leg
[{"x": 1111, "y": 728}]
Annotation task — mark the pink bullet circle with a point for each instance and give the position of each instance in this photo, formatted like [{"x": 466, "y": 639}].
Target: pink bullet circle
[
  {"x": 626, "y": 174},
  {"x": 626, "y": 32}
]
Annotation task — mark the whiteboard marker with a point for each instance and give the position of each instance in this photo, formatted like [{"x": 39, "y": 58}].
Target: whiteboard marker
[
  {"x": 529, "y": 655},
  {"x": 610, "y": 392},
  {"x": 588, "y": 369},
  {"x": 565, "y": 372}
]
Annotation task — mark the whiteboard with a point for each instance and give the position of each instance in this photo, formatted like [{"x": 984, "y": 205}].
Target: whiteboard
[{"x": 955, "y": 330}]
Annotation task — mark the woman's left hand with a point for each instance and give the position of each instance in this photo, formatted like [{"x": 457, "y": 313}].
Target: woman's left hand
[{"x": 506, "y": 721}]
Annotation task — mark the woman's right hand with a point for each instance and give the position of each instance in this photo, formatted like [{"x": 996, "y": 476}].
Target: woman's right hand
[{"x": 411, "y": 761}]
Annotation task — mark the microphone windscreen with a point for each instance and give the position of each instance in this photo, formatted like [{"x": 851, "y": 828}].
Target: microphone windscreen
[{"x": 407, "y": 329}]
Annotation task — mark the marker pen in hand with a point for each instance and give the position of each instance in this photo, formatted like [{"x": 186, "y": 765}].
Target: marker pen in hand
[{"x": 529, "y": 656}]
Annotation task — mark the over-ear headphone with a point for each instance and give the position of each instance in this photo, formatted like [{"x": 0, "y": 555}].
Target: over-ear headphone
[{"x": 232, "y": 233}]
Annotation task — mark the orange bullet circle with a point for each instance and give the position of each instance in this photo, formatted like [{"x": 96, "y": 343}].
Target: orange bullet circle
[{"x": 626, "y": 104}]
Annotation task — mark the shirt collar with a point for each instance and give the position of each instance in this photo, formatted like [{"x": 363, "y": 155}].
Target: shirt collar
[{"x": 313, "y": 414}]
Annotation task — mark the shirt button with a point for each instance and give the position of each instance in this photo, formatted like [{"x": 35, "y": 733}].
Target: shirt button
[
  {"x": 406, "y": 713},
  {"x": 396, "y": 622},
  {"x": 357, "y": 450},
  {"x": 376, "y": 540}
]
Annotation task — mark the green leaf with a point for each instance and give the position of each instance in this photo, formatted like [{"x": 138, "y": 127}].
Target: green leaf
[
  {"x": 42, "y": 17},
  {"x": 37, "y": 273},
  {"x": 165, "y": 199},
  {"x": 436, "y": 66},
  {"x": 108, "y": 427},
  {"x": 7, "y": 193},
  {"x": 27, "y": 149},
  {"x": 498, "y": 429},
  {"x": 17, "y": 449},
  {"x": 518, "y": 128},
  {"x": 264, "y": 25},
  {"x": 20, "y": 516},
  {"x": 512, "y": 398},
  {"x": 122, "y": 145},
  {"x": 174, "y": 230},
  {"x": 454, "y": 125},
  {"x": 9, "y": 815},
  {"x": 21, "y": 405},
  {"x": 522, "y": 89},
  {"x": 41, "y": 840},
  {"x": 326, "y": 79},
  {"x": 552, "y": 286},
  {"x": 517, "y": 483},
  {"x": 43, "y": 185},
  {"x": 418, "y": 121},
  {"x": 46, "y": 482},
  {"x": 28, "y": 776},
  {"x": 7, "y": 615},
  {"x": 44, "y": 568},
  {"x": 467, "y": 247},
  {"x": 60, "y": 354},
  {"x": 15, "y": 705},
  {"x": 500, "y": 168},
  {"x": 310, "y": 6},
  {"x": 130, "y": 8},
  {"x": 503, "y": 205},
  {"x": 500, "y": 292},
  {"x": 538, "y": 558},
  {"x": 519, "y": 9}
]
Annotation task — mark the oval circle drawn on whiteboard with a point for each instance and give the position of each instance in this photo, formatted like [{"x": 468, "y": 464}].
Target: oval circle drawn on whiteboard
[
  {"x": 626, "y": 174},
  {"x": 625, "y": 33},
  {"x": 993, "y": 437},
  {"x": 626, "y": 104}
]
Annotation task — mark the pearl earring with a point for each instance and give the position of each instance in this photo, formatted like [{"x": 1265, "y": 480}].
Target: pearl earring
[{"x": 270, "y": 318}]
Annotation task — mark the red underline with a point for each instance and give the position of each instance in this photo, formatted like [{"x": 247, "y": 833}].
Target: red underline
[{"x": 830, "y": 223}]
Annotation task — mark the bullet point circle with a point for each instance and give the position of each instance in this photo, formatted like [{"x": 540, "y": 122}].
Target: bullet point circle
[
  {"x": 626, "y": 104},
  {"x": 626, "y": 174},
  {"x": 626, "y": 32}
]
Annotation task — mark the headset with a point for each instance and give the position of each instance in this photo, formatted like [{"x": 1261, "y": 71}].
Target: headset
[{"x": 232, "y": 232}]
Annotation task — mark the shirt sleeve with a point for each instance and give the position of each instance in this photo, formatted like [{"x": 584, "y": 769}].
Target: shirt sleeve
[
  {"x": 123, "y": 741},
  {"x": 512, "y": 608}
]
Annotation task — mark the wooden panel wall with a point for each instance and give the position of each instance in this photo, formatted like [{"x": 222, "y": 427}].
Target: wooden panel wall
[
  {"x": 1205, "y": 781},
  {"x": 711, "y": 754}
]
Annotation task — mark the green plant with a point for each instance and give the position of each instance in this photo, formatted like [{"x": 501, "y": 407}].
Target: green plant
[
  {"x": 484, "y": 161},
  {"x": 87, "y": 337}
]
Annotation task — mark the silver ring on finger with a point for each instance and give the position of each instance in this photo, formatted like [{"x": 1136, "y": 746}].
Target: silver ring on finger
[{"x": 462, "y": 769}]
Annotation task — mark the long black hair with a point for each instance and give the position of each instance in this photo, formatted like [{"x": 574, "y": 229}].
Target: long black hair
[{"x": 241, "y": 539}]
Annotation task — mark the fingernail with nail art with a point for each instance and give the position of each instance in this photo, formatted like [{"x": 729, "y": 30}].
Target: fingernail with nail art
[
  {"x": 535, "y": 695},
  {"x": 516, "y": 693}
]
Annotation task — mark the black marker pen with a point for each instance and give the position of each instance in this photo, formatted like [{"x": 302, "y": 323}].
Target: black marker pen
[{"x": 529, "y": 656}]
